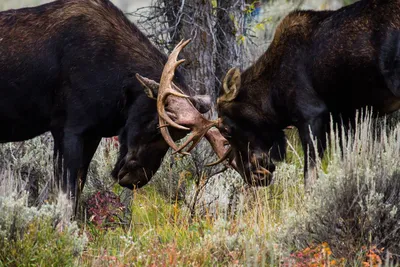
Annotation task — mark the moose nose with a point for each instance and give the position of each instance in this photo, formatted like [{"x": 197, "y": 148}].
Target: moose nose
[
  {"x": 260, "y": 177},
  {"x": 261, "y": 169},
  {"x": 124, "y": 173},
  {"x": 125, "y": 182},
  {"x": 262, "y": 160}
]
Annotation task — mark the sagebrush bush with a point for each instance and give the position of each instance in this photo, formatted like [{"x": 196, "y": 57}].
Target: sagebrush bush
[
  {"x": 356, "y": 201},
  {"x": 32, "y": 162},
  {"x": 36, "y": 236}
]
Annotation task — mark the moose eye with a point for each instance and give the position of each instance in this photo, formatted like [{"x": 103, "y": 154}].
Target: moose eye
[{"x": 225, "y": 132}]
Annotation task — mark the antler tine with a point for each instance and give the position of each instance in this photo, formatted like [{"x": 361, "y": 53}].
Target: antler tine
[
  {"x": 179, "y": 48},
  {"x": 196, "y": 137},
  {"x": 166, "y": 89},
  {"x": 222, "y": 159},
  {"x": 179, "y": 63},
  {"x": 190, "y": 139},
  {"x": 167, "y": 137},
  {"x": 173, "y": 62}
]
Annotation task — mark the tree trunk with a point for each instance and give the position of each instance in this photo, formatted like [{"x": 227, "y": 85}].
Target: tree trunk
[
  {"x": 229, "y": 29},
  {"x": 198, "y": 24},
  {"x": 214, "y": 48},
  {"x": 173, "y": 9}
]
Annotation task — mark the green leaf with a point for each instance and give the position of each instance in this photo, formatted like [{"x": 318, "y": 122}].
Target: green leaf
[
  {"x": 260, "y": 26},
  {"x": 241, "y": 39}
]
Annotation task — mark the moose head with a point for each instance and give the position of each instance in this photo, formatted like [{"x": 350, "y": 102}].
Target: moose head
[{"x": 178, "y": 114}]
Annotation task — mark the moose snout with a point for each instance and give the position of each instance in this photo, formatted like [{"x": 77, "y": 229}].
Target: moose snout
[
  {"x": 132, "y": 175},
  {"x": 262, "y": 160},
  {"x": 260, "y": 169}
]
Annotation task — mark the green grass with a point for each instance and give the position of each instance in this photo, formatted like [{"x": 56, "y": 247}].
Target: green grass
[{"x": 40, "y": 245}]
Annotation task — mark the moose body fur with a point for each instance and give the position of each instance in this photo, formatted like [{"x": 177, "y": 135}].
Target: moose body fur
[
  {"x": 319, "y": 64},
  {"x": 69, "y": 67}
]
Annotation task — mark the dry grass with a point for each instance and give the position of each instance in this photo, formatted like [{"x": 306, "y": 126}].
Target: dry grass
[{"x": 350, "y": 218}]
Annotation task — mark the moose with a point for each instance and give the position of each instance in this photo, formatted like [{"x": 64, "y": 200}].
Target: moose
[
  {"x": 71, "y": 67},
  {"x": 320, "y": 64}
]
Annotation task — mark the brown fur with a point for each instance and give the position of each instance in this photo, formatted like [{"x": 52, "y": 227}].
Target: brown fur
[{"x": 30, "y": 30}]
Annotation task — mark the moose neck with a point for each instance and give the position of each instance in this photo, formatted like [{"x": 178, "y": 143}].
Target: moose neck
[
  {"x": 277, "y": 70},
  {"x": 259, "y": 89}
]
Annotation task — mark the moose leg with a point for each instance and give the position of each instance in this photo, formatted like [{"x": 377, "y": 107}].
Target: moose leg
[
  {"x": 89, "y": 148},
  {"x": 73, "y": 159},
  {"x": 57, "y": 156},
  {"x": 310, "y": 131}
]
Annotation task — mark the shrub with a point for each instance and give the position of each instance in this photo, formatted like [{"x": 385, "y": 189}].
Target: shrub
[
  {"x": 31, "y": 162},
  {"x": 355, "y": 203},
  {"x": 35, "y": 236},
  {"x": 105, "y": 209}
]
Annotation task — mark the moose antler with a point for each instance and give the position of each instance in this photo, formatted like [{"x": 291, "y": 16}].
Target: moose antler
[
  {"x": 192, "y": 119},
  {"x": 224, "y": 157}
]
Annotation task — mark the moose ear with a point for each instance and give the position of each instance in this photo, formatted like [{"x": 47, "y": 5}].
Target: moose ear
[
  {"x": 150, "y": 87},
  {"x": 231, "y": 85}
]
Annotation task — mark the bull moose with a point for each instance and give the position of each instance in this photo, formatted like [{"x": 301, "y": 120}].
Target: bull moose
[
  {"x": 319, "y": 64},
  {"x": 70, "y": 67}
]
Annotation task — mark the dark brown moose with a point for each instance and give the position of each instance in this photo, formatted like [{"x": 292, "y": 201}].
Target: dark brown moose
[
  {"x": 320, "y": 63},
  {"x": 70, "y": 67}
]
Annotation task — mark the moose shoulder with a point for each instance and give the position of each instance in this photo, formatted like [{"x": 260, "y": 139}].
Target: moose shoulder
[
  {"x": 70, "y": 67},
  {"x": 319, "y": 63}
]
